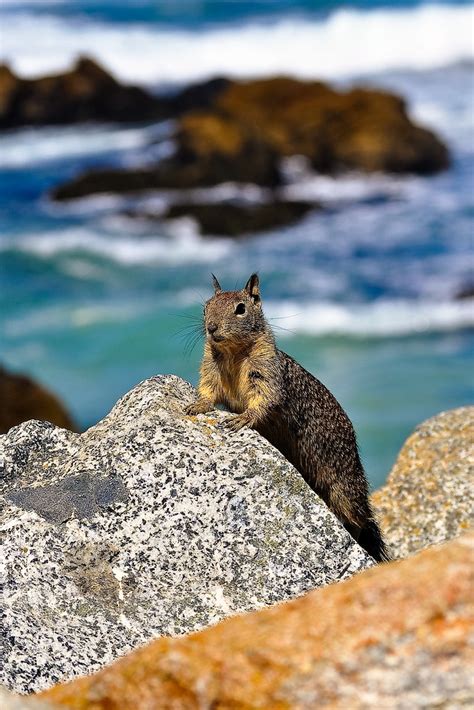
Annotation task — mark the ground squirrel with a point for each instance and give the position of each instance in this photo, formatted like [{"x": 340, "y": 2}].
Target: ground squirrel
[{"x": 270, "y": 392}]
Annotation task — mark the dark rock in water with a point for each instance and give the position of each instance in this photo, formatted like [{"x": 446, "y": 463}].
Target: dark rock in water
[
  {"x": 465, "y": 293},
  {"x": 218, "y": 152},
  {"x": 22, "y": 399},
  {"x": 234, "y": 220},
  {"x": 200, "y": 95},
  {"x": 361, "y": 129},
  {"x": 248, "y": 127},
  {"x": 86, "y": 93},
  {"x": 149, "y": 523}
]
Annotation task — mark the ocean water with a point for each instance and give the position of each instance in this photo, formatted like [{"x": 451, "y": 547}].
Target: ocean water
[{"x": 362, "y": 294}]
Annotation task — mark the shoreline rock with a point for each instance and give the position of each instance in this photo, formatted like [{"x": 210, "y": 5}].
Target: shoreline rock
[
  {"x": 233, "y": 219},
  {"x": 85, "y": 93},
  {"x": 397, "y": 636},
  {"x": 230, "y": 130},
  {"x": 429, "y": 495},
  {"x": 22, "y": 399},
  {"x": 150, "y": 523}
]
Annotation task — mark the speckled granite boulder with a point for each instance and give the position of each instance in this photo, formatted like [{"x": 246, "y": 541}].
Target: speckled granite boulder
[
  {"x": 429, "y": 494},
  {"x": 149, "y": 523},
  {"x": 397, "y": 637}
]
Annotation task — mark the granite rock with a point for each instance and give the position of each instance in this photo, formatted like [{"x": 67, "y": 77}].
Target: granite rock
[
  {"x": 429, "y": 494},
  {"x": 397, "y": 637},
  {"x": 150, "y": 523}
]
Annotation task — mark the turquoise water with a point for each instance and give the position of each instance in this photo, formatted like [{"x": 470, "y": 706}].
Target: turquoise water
[{"x": 362, "y": 294}]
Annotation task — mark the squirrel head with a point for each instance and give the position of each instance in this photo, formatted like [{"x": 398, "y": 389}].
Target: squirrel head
[{"x": 233, "y": 318}]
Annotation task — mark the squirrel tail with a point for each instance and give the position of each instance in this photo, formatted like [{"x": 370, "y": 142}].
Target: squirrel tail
[{"x": 370, "y": 538}]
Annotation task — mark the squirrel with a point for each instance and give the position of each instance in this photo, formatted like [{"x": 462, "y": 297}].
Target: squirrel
[{"x": 267, "y": 390}]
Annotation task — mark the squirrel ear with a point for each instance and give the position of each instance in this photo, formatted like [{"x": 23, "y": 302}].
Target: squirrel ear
[
  {"x": 253, "y": 289},
  {"x": 216, "y": 284}
]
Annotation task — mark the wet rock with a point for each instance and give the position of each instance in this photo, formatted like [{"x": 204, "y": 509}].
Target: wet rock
[
  {"x": 429, "y": 494},
  {"x": 200, "y": 95},
  {"x": 85, "y": 93},
  {"x": 22, "y": 398},
  {"x": 232, "y": 219},
  {"x": 465, "y": 292},
  {"x": 215, "y": 151},
  {"x": 149, "y": 523},
  {"x": 248, "y": 127},
  {"x": 361, "y": 129},
  {"x": 398, "y": 636}
]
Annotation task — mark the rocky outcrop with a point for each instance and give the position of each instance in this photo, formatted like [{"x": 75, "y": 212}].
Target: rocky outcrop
[
  {"x": 465, "y": 292},
  {"x": 234, "y": 219},
  {"x": 149, "y": 523},
  {"x": 22, "y": 398},
  {"x": 429, "y": 494},
  {"x": 89, "y": 93},
  {"x": 85, "y": 93},
  {"x": 240, "y": 131},
  {"x": 398, "y": 636},
  {"x": 361, "y": 129}
]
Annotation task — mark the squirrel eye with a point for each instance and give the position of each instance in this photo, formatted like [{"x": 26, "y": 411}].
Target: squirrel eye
[{"x": 240, "y": 309}]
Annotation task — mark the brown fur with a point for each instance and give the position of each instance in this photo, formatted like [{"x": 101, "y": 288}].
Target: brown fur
[{"x": 270, "y": 392}]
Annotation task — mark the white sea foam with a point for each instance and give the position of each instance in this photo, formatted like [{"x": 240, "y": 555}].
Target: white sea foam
[
  {"x": 33, "y": 146},
  {"x": 382, "y": 318},
  {"x": 305, "y": 184},
  {"x": 348, "y": 42},
  {"x": 180, "y": 244}
]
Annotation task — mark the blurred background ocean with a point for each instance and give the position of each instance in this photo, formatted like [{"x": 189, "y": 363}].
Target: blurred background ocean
[{"x": 363, "y": 293}]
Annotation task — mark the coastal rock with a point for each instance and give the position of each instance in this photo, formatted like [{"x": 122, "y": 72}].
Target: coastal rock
[
  {"x": 22, "y": 398},
  {"x": 233, "y": 219},
  {"x": 360, "y": 129},
  {"x": 149, "y": 523},
  {"x": 242, "y": 131},
  {"x": 85, "y": 93},
  {"x": 429, "y": 494},
  {"x": 398, "y": 636},
  {"x": 464, "y": 293},
  {"x": 215, "y": 150}
]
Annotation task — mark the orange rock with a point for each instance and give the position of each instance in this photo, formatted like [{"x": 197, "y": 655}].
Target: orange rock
[
  {"x": 429, "y": 497},
  {"x": 394, "y": 636}
]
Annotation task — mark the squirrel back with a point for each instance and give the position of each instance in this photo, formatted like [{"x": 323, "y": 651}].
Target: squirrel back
[{"x": 272, "y": 393}]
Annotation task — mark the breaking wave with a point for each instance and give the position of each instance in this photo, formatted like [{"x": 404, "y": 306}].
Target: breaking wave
[
  {"x": 373, "y": 40},
  {"x": 384, "y": 318}
]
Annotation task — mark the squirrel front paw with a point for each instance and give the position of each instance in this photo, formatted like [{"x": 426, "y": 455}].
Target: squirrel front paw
[
  {"x": 200, "y": 406},
  {"x": 238, "y": 422}
]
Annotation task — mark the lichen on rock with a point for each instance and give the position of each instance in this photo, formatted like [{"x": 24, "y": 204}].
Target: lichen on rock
[{"x": 429, "y": 494}]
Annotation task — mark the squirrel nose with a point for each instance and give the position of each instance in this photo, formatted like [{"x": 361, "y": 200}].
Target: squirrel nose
[{"x": 211, "y": 328}]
